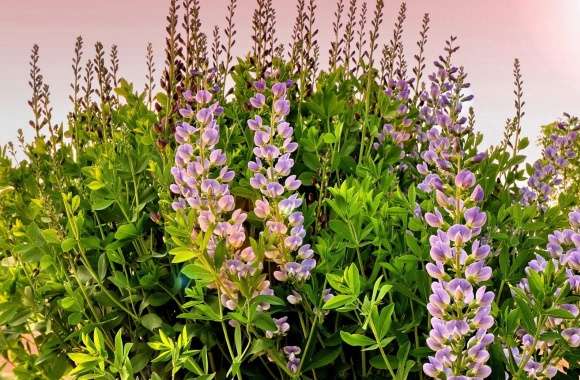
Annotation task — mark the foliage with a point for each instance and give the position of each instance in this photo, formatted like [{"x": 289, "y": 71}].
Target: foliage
[{"x": 138, "y": 240}]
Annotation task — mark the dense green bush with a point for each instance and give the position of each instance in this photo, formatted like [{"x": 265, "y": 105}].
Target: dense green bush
[{"x": 267, "y": 217}]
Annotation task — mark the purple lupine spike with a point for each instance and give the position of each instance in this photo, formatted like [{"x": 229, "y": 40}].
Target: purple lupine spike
[
  {"x": 539, "y": 358},
  {"x": 401, "y": 130},
  {"x": 201, "y": 181},
  {"x": 548, "y": 170},
  {"x": 459, "y": 306},
  {"x": 271, "y": 175}
]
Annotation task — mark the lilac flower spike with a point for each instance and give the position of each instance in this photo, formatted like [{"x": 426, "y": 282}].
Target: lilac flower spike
[
  {"x": 460, "y": 307},
  {"x": 549, "y": 170},
  {"x": 400, "y": 131},
  {"x": 279, "y": 205},
  {"x": 538, "y": 358},
  {"x": 201, "y": 181}
]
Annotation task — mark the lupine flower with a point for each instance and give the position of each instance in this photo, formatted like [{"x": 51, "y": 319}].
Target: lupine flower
[
  {"x": 282, "y": 327},
  {"x": 295, "y": 298},
  {"x": 201, "y": 183},
  {"x": 572, "y": 336},
  {"x": 327, "y": 295},
  {"x": 258, "y": 101},
  {"x": 540, "y": 356},
  {"x": 292, "y": 353},
  {"x": 278, "y": 207},
  {"x": 459, "y": 306},
  {"x": 401, "y": 129},
  {"x": 549, "y": 169}
]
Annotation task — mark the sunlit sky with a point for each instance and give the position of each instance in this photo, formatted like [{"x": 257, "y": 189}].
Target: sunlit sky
[{"x": 544, "y": 34}]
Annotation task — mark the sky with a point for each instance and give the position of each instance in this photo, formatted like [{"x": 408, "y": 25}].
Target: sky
[{"x": 544, "y": 35}]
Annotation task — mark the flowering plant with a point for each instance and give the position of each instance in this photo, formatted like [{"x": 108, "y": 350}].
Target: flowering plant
[{"x": 265, "y": 215}]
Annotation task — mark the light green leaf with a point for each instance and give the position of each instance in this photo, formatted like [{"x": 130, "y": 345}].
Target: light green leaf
[
  {"x": 151, "y": 321},
  {"x": 338, "y": 301},
  {"x": 182, "y": 254},
  {"x": 356, "y": 340}
]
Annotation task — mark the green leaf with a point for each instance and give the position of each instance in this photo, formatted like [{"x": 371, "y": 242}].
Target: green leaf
[
  {"x": 328, "y": 138},
  {"x": 559, "y": 313},
  {"x": 68, "y": 244},
  {"x": 416, "y": 225},
  {"x": 119, "y": 344},
  {"x": 356, "y": 340},
  {"x": 126, "y": 232},
  {"x": 504, "y": 263},
  {"x": 99, "y": 340},
  {"x": 272, "y": 300},
  {"x": 51, "y": 236},
  {"x": 6, "y": 189},
  {"x": 341, "y": 229},
  {"x": 311, "y": 161},
  {"x": 101, "y": 204},
  {"x": 385, "y": 342},
  {"x": 182, "y": 254},
  {"x": 526, "y": 314},
  {"x": 400, "y": 211},
  {"x": 203, "y": 312},
  {"x": 151, "y": 321},
  {"x": 384, "y": 290},
  {"x": 385, "y": 319},
  {"x": 412, "y": 244},
  {"x": 523, "y": 144},
  {"x": 338, "y": 301},
  {"x": 75, "y": 318},
  {"x": 95, "y": 185},
  {"x": 337, "y": 283},
  {"x": 306, "y": 178},
  {"x": 90, "y": 242},
  {"x": 80, "y": 358},
  {"x": 70, "y": 304},
  {"x": 323, "y": 358},
  {"x": 115, "y": 256},
  {"x": 264, "y": 321},
  {"x": 536, "y": 283},
  {"x": 76, "y": 202},
  {"x": 196, "y": 272},
  {"x": 119, "y": 279},
  {"x": 102, "y": 266},
  {"x": 352, "y": 279}
]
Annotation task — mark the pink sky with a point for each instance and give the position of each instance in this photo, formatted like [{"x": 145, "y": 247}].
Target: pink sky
[{"x": 543, "y": 34}]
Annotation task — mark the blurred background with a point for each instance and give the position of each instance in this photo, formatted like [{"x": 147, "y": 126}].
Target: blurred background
[{"x": 544, "y": 35}]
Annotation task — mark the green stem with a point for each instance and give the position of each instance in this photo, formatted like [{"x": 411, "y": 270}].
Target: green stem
[{"x": 383, "y": 354}]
